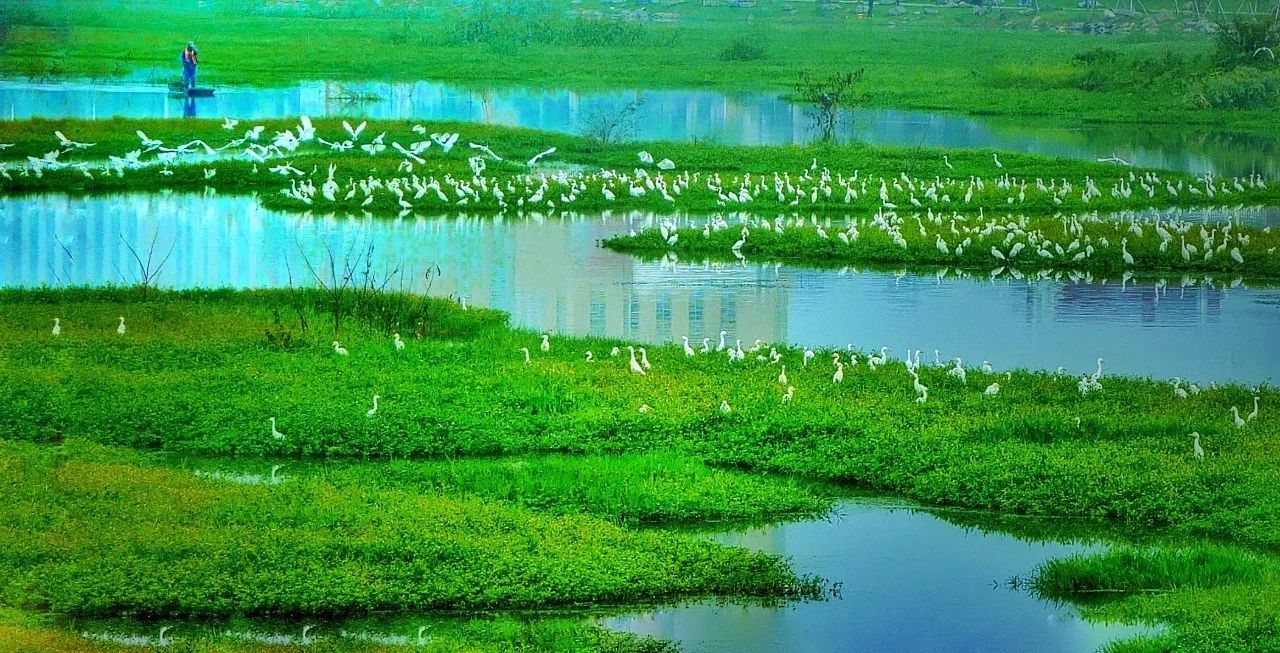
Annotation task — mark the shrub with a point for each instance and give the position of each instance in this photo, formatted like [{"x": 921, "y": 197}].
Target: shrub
[
  {"x": 1247, "y": 41},
  {"x": 1241, "y": 88},
  {"x": 743, "y": 48}
]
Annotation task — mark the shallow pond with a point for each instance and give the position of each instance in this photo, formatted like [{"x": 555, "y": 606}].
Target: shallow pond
[
  {"x": 910, "y": 581},
  {"x": 550, "y": 274},
  {"x": 680, "y": 115}
]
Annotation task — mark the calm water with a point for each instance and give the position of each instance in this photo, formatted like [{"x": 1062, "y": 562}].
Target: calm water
[
  {"x": 910, "y": 582},
  {"x": 550, "y": 274},
  {"x": 745, "y": 118}
]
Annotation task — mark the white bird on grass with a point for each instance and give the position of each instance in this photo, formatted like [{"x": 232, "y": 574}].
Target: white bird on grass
[
  {"x": 787, "y": 396},
  {"x": 986, "y": 367},
  {"x": 526, "y": 354},
  {"x": 635, "y": 364},
  {"x": 57, "y": 329},
  {"x": 992, "y": 390},
  {"x": 808, "y": 356},
  {"x": 1235, "y": 417},
  {"x": 1196, "y": 449},
  {"x": 354, "y": 132},
  {"x": 120, "y": 329},
  {"x": 373, "y": 411},
  {"x": 339, "y": 349},
  {"x": 724, "y": 407},
  {"x": 275, "y": 435},
  {"x": 398, "y": 342},
  {"x": 230, "y": 124},
  {"x": 688, "y": 351},
  {"x": 838, "y": 377},
  {"x": 644, "y": 359},
  {"x": 1254, "y": 415},
  {"x": 782, "y": 377},
  {"x": 546, "y": 343}
]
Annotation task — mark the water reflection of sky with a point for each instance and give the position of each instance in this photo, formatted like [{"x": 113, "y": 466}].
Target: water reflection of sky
[
  {"x": 549, "y": 273},
  {"x": 745, "y": 118},
  {"x": 909, "y": 582}
]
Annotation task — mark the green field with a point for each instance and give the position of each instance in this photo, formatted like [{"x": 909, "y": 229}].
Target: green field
[
  {"x": 1153, "y": 68},
  {"x": 84, "y": 409}
]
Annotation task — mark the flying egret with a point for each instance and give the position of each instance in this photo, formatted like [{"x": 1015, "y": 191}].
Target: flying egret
[{"x": 547, "y": 152}]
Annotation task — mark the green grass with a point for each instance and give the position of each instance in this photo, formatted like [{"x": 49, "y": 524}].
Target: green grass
[
  {"x": 1005, "y": 62},
  {"x": 196, "y": 374},
  {"x": 132, "y": 538},
  {"x": 1044, "y": 244},
  {"x": 630, "y": 489},
  {"x": 1213, "y": 597}
]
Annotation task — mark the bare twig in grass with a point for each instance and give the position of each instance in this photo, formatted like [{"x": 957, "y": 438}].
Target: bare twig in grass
[{"x": 149, "y": 270}]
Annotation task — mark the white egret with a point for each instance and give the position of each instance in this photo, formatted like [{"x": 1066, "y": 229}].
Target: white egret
[
  {"x": 120, "y": 329},
  {"x": 1196, "y": 449},
  {"x": 275, "y": 435},
  {"x": 1253, "y": 415},
  {"x": 635, "y": 364},
  {"x": 787, "y": 396},
  {"x": 57, "y": 327},
  {"x": 644, "y": 408},
  {"x": 338, "y": 349},
  {"x": 275, "y": 480},
  {"x": 720, "y": 347},
  {"x": 1235, "y": 417},
  {"x": 526, "y": 354},
  {"x": 808, "y": 356},
  {"x": 782, "y": 377},
  {"x": 724, "y": 407},
  {"x": 992, "y": 390},
  {"x": 688, "y": 351},
  {"x": 591, "y": 358},
  {"x": 644, "y": 359},
  {"x": 986, "y": 367},
  {"x": 421, "y": 639},
  {"x": 546, "y": 343},
  {"x": 398, "y": 342},
  {"x": 374, "y": 410},
  {"x": 839, "y": 375}
]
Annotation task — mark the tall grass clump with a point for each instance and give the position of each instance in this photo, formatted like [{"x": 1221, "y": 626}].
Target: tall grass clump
[{"x": 1126, "y": 570}]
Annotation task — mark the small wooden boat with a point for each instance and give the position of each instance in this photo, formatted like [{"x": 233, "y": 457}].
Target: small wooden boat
[{"x": 179, "y": 89}]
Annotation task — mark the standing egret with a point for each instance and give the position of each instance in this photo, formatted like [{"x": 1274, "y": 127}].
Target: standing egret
[
  {"x": 782, "y": 378},
  {"x": 839, "y": 375},
  {"x": 57, "y": 327},
  {"x": 1196, "y": 449},
  {"x": 986, "y": 367},
  {"x": 724, "y": 407},
  {"x": 120, "y": 329},
  {"x": 421, "y": 639},
  {"x": 275, "y": 480},
  {"x": 337, "y": 348},
  {"x": 591, "y": 358},
  {"x": 786, "y": 396},
  {"x": 958, "y": 371},
  {"x": 1235, "y": 417},
  {"x": 808, "y": 356},
  {"x": 720, "y": 347},
  {"x": 644, "y": 359},
  {"x": 274, "y": 433},
  {"x": 644, "y": 408},
  {"x": 1254, "y": 415},
  {"x": 305, "y": 638},
  {"x": 526, "y": 354},
  {"x": 635, "y": 364},
  {"x": 398, "y": 342},
  {"x": 374, "y": 410},
  {"x": 688, "y": 351},
  {"x": 546, "y": 343},
  {"x": 992, "y": 390}
]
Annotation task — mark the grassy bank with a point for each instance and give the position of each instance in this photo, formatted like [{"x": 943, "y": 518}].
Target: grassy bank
[
  {"x": 1055, "y": 62},
  {"x": 1036, "y": 447},
  {"x": 582, "y": 175},
  {"x": 1108, "y": 246},
  {"x": 129, "y": 537},
  {"x": 1216, "y": 598}
]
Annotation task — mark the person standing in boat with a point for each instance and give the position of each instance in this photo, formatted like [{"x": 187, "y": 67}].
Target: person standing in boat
[{"x": 190, "y": 59}]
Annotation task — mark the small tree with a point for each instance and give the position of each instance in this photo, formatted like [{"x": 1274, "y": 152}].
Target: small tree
[
  {"x": 606, "y": 125},
  {"x": 827, "y": 97}
]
